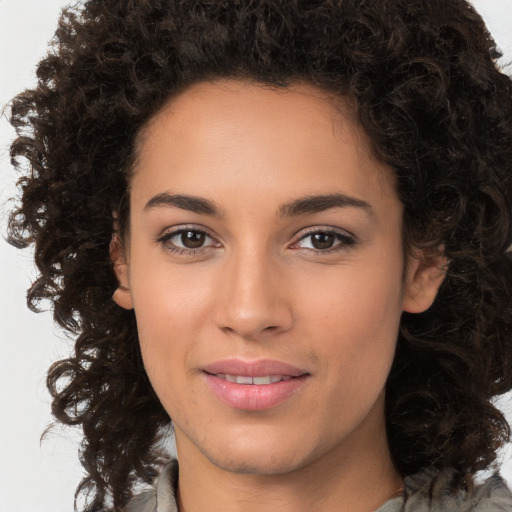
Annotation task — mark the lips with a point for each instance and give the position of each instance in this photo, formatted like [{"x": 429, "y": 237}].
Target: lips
[
  {"x": 258, "y": 368},
  {"x": 262, "y": 380},
  {"x": 253, "y": 385}
]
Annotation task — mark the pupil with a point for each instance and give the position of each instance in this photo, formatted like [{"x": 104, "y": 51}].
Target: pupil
[
  {"x": 192, "y": 239},
  {"x": 323, "y": 240}
]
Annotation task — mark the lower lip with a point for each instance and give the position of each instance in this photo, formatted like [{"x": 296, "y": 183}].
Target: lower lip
[{"x": 252, "y": 397}]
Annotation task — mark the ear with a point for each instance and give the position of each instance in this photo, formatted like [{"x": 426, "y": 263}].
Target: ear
[
  {"x": 425, "y": 273},
  {"x": 122, "y": 296}
]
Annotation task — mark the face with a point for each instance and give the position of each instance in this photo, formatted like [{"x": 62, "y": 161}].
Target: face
[{"x": 264, "y": 264}]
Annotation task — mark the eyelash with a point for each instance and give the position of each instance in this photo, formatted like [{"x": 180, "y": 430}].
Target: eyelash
[
  {"x": 166, "y": 238},
  {"x": 347, "y": 241}
]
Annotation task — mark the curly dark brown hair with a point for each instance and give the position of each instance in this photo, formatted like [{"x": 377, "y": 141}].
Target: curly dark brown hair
[{"x": 428, "y": 93}]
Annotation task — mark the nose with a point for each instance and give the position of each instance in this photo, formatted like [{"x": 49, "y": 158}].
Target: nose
[{"x": 253, "y": 300}]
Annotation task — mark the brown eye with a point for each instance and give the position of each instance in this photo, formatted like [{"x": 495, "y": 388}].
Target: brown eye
[
  {"x": 325, "y": 241},
  {"x": 192, "y": 239},
  {"x": 322, "y": 240},
  {"x": 188, "y": 241}
]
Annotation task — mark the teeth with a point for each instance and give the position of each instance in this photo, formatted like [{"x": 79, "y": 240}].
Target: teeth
[
  {"x": 240, "y": 379},
  {"x": 259, "y": 381}
]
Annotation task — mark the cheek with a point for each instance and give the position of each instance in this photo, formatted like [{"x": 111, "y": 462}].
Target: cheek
[
  {"x": 170, "y": 308},
  {"x": 168, "y": 298},
  {"x": 356, "y": 320},
  {"x": 360, "y": 298}
]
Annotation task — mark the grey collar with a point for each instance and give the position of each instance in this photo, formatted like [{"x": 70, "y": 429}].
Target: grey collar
[{"x": 426, "y": 491}]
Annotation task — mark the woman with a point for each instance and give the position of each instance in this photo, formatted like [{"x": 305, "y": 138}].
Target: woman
[{"x": 285, "y": 226}]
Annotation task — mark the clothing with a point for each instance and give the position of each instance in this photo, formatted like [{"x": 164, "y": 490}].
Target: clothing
[{"x": 426, "y": 491}]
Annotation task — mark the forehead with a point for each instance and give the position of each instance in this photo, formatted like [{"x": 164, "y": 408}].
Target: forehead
[
  {"x": 233, "y": 101},
  {"x": 221, "y": 133}
]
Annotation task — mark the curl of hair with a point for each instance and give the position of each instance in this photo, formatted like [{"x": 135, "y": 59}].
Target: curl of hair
[{"x": 436, "y": 109}]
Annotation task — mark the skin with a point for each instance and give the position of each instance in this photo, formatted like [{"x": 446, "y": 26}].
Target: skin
[{"x": 258, "y": 289}]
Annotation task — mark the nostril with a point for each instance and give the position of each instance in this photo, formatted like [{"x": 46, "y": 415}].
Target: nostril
[{"x": 249, "y": 318}]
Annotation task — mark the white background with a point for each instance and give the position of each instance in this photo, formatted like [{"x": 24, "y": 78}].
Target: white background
[{"x": 38, "y": 476}]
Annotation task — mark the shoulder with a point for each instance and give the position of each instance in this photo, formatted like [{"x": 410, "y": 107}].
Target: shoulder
[
  {"x": 432, "y": 491},
  {"x": 426, "y": 491},
  {"x": 160, "y": 498}
]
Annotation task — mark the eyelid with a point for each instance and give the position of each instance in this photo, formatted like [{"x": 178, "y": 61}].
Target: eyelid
[
  {"x": 170, "y": 232},
  {"x": 349, "y": 239},
  {"x": 173, "y": 230},
  {"x": 345, "y": 238}
]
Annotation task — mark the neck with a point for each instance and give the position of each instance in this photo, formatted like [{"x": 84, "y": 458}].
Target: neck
[{"x": 358, "y": 476}]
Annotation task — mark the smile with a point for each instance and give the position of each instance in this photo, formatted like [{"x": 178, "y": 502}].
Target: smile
[
  {"x": 254, "y": 385},
  {"x": 258, "y": 381}
]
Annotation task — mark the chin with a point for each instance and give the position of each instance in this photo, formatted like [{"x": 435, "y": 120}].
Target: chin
[
  {"x": 262, "y": 457},
  {"x": 257, "y": 465}
]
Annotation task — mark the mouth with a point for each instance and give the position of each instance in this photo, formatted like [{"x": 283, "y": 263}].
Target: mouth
[
  {"x": 263, "y": 380},
  {"x": 229, "y": 369},
  {"x": 254, "y": 385}
]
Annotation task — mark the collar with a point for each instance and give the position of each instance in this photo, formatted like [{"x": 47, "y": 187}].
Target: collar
[{"x": 429, "y": 490}]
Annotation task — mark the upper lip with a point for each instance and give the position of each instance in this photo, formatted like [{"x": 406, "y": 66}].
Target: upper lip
[{"x": 257, "y": 368}]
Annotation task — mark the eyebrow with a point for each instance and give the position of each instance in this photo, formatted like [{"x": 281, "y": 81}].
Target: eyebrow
[
  {"x": 320, "y": 203},
  {"x": 300, "y": 206},
  {"x": 190, "y": 203}
]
